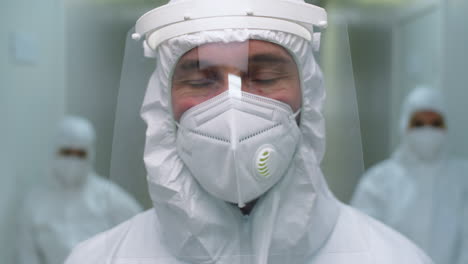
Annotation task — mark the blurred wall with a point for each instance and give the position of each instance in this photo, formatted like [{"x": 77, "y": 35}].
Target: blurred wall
[
  {"x": 31, "y": 101},
  {"x": 455, "y": 81}
]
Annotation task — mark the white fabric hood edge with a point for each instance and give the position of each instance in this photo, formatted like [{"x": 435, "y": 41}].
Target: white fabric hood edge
[{"x": 289, "y": 223}]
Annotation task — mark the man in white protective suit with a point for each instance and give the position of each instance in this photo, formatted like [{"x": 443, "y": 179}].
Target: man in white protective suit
[
  {"x": 74, "y": 205},
  {"x": 234, "y": 143},
  {"x": 419, "y": 191}
]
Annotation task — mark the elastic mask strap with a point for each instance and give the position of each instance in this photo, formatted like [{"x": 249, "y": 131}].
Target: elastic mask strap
[
  {"x": 240, "y": 203},
  {"x": 293, "y": 116},
  {"x": 269, "y": 225}
]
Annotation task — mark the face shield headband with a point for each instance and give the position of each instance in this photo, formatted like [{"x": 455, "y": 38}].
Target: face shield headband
[{"x": 167, "y": 22}]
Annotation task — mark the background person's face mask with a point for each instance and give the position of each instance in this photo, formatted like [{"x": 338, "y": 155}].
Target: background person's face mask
[
  {"x": 71, "y": 172},
  {"x": 426, "y": 142}
]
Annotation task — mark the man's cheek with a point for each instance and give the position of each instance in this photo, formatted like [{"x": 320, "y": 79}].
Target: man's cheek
[
  {"x": 181, "y": 105},
  {"x": 293, "y": 101}
]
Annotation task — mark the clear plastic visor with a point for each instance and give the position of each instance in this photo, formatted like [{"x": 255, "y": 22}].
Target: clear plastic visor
[{"x": 253, "y": 66}]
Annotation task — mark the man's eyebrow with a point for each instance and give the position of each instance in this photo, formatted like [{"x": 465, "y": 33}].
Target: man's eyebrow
[
  {"x": 189, "y": 65},
  {"x": 195, "y": 64},
  {"x": 269, "y": 58}
]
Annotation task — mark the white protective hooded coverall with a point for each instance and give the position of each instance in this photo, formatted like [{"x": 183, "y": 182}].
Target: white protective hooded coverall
[
  {"x": 73, "y": 205},
  {"x": 420, "y": 195},
  {"x": 297, "y": 221}
]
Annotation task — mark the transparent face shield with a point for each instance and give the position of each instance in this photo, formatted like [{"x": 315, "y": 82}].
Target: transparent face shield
[
  {"x": 127, "y": 167},
  {"x": 233, "y": 93},
  {"x": 343, "y": 163}
]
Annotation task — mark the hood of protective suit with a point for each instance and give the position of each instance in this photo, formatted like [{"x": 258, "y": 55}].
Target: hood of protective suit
[
  {"x": 78, "y": 134},
  {"x": 422, "y": 145},
  {"x": 289, "y": 223}
]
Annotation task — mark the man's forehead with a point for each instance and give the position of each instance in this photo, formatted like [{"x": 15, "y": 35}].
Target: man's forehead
[{"x": 236, "y": 52}]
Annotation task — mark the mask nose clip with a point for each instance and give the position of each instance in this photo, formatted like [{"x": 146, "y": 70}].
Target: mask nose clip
[{"x": 235, "y": 86}]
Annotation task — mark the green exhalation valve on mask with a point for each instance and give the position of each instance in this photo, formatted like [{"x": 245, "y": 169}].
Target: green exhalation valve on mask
[{"x": 262, "y": 163}]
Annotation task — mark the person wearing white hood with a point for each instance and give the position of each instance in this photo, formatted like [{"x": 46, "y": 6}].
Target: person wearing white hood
[
  {"x": 235, "y": 136},
  {"x": 419, "y": 191},
  {"x": 74, "y": 205}
]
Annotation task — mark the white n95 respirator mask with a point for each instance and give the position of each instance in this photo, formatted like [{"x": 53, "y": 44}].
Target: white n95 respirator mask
[{"x": 238, "y": 145}]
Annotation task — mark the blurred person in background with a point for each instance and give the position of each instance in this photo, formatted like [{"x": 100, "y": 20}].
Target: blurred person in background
[
  {"x": 74, "y": 204},
  {"x": 420, "y": 190}
]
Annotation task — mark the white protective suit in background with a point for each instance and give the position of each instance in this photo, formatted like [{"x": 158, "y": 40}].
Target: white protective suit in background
[
  {"x": 297, "y": 221},
  {"x": 73, "y": 205},
  {"x": 419, "y": 194}
]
